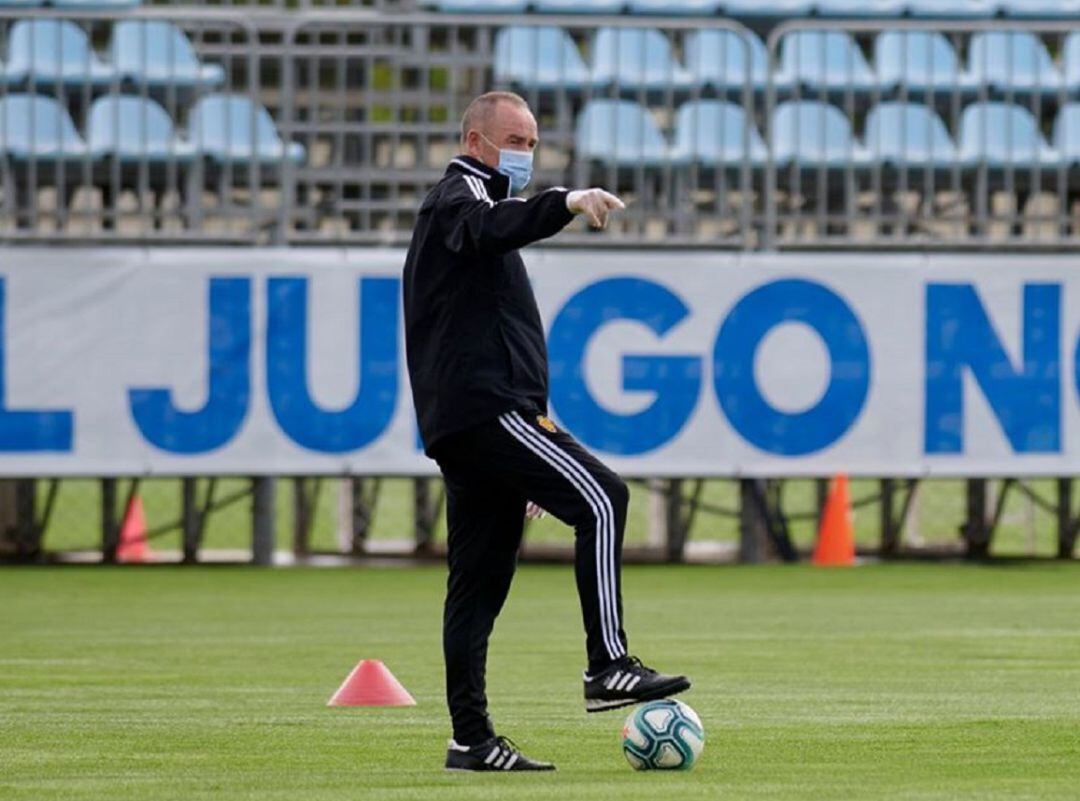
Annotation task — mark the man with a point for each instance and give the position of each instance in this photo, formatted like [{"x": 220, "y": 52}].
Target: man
[{"x": 478, "y": 366}]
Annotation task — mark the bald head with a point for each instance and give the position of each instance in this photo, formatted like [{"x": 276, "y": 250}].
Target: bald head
[{"x": 497, "y": 121}]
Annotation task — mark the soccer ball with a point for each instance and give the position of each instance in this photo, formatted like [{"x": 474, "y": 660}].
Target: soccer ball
[{"x": 663, "y": 735}]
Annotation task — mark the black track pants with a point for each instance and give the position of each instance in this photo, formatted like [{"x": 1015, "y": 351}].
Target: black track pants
[{"x": 490, "y": 473}]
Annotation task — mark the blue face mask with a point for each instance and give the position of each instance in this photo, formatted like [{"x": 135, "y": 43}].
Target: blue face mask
[{"x": 517, "y": 165}]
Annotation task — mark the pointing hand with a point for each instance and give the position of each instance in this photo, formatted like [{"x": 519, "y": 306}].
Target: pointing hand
[{"x": 594, "y": 203}]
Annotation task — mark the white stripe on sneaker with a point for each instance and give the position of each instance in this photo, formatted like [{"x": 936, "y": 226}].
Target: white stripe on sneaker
[
  {"x": 491, "y": 757},
  {"x": 510, "y": 762},
  {"x": 610, "y": 684},
  {"x": 625, "y": 682},
  {"x": 586, "y": 485},
  {"x": 500, "y": 760},
  {"x": 633, "y": 683}
]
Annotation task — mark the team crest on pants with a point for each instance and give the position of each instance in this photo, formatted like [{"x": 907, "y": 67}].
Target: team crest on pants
[{"x": 546, "y": 424}]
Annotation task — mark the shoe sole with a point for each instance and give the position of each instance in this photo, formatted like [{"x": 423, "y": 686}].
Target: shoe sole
[
  {"x": 603, "y": 705},
  {"x": 520, "y": 770}
]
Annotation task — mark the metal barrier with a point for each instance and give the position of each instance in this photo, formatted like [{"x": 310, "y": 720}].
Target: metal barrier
[
  {"x": 113, "y": 129},
  {"x": 377, "y": 103},
  {"x": 938, "y": 153},
  {"x": 715, "y": 138}
]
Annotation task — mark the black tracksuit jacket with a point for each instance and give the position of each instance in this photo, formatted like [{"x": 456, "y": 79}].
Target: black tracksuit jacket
[{"x": 473, "y": 337}]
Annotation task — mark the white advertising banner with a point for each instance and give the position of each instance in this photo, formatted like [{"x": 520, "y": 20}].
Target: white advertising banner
[{"x": 277, "y": 361}]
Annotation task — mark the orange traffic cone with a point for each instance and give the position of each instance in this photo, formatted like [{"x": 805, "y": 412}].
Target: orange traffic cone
[
  {"x": 133, "y": 546},
  {"x": 371, "y": 684},
  {"x": 836, "y": 537}
]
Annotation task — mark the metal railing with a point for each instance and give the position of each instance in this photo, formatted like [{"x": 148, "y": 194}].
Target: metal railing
[
  {"x": 716, "y": 139},
  {"x": 936, "y": 156}
]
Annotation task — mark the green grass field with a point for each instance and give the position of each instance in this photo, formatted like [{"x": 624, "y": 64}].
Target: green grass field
[{"x": 892, "y": 681}]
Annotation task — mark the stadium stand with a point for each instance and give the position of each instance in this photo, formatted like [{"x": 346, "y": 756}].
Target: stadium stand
[
  {"x": 94, "y": 5},
  {"x": 233, "y": 129},
  {"x": 364, "y": 129},
  {"x": 1012, "y": 62},
  {"x": 824, "y": 61},
  {"x": 38, "y": 128},
  {"x": 620, "y": 132},
  {"x": 1005, "y": 138},
  {"x": 1070, "y": 59},
  {"x": 636, "y": 58},
  {"x": 921, "y": 63},
  {"x": 692, "y": 8},
  {"x": 539, "y": 58},
  {"x": 807, "y": 135},
  {"x": 483, "y": 6},
  {"x": 725, "y": 60},
  {"x": 1067, "y": 134},
  {"x": 909, "y": 137},
  {"x": 48, "y": 52},
  {"x": 861, "y": 8},
  {"x": 718, "y": 134},
  {"x": 135, "y": 130},
  {"x": 579, "y": 6},
  {"x": 158, "y": 54}
]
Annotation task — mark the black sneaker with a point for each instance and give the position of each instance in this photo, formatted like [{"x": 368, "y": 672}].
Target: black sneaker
[
  {"x": 498, "y": 753},
  {"x": 629, "y": 682}
]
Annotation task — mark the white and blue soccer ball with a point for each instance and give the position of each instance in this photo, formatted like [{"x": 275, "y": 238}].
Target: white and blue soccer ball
[{"x": 663, "y": 735}]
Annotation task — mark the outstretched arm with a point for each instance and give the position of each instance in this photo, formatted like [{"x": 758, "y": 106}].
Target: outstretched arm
[{"x": 476, "y": 222}]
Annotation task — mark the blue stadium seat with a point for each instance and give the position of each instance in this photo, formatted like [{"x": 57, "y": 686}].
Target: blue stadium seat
[
  {"x": 861, "y": 8},
  {"x": 134, "y": 129},
  {"x": 1021, "y": 9},
  {"x": 620, "y": 132},
  {"x": 158, "y": 54},
  {"x": 232, "y": 128},
  {"x": 951, "y": 9},
  {"x": 636, "y": 58},
  {"x": 921, "y": 61},
  {"x": 716, "y": 133},
  {"x": 579, "y": 6},
  {"x": 1070, "y": 62},
  {"x": 1003, "y": 135},
  {"x": 807, "y": 133},
  {"x": 95, "y": 5},
  {"x": 483, "y": 6},
  {"x": 1013, "y": 61},
  {"x": 1067, "y": 133},
  {"x": 38, "y": 127},
  {"x": 909, "y": 135},
  {"x": 49, "y": 51},
  {"x": 782, "y": 9},
  {"x": 539, "y": 58},
  {"x": 725, "y": 59},
  {"x": 673, "y": 8},
  {"x": 828, "y": 60}
]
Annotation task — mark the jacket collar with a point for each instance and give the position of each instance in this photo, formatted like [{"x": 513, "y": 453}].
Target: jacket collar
[{"x": 498, "y": 185}]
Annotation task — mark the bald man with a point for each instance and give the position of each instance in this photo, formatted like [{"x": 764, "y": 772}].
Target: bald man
[{"x": 478, "y": 366}]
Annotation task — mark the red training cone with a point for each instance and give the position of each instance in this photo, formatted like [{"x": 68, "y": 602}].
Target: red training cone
[
  {"x": 132, "y": 546},
  {"x": 371, "y": 684},
  {"x": 836, "y": 537}
]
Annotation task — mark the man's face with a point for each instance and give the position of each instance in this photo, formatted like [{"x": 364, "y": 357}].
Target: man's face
[{"x": 509, "y": 128}]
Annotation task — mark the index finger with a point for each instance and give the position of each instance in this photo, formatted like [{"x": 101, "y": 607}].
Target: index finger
[{"x": 613, "y": 201}]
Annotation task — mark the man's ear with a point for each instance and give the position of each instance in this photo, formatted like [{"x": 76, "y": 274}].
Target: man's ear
[{"x": 472, "y": 143}]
